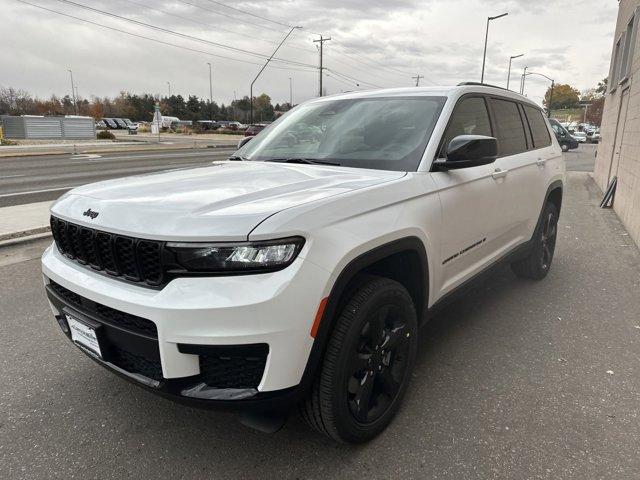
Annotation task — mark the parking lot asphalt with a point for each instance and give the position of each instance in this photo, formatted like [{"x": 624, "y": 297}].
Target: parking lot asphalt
[{"x": 517, "y": 380}]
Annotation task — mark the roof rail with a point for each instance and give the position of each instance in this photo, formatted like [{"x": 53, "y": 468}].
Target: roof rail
[{"x": 478, "y": 84}]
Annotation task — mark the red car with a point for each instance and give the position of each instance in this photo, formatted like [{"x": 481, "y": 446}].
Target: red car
[{"x": 254, "y": 129}]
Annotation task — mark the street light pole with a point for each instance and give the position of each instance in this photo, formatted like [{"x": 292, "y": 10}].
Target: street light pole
[
  {"x": 509, "y": 74},
  {"x": 553, "y": 84},
  {"x": 73, "y": 93},
  {"x": 262, "y": 69},
  {"x": 290, "y": 93},
  {"x": 210, "y": 93},
  {"x": 486, "y": 40},
  {"x": 522, "y": 79}
]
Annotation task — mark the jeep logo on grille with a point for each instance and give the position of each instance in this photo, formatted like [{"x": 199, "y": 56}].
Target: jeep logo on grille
[{"x": 91, "y": 214}]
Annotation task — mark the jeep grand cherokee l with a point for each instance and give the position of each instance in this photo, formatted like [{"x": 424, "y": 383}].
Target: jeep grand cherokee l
[{"x": 298, "y": 272}]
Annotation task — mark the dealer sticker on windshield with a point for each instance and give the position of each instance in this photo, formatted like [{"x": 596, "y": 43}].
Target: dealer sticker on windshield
[{"x": 84, "y": 335}]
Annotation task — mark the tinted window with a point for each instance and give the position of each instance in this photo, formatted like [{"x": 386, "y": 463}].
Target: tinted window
[
  {"x": 511, "y": 137},
  {"x": 538, "y": 126},
  {"x": 470, "y": 117}
]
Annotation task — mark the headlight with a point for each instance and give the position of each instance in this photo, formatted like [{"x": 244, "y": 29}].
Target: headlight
[{"x": 245, "y": 257}]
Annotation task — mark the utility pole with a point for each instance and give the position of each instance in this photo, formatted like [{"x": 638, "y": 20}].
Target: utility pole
[
  {"x": 486, "y": 40},
  {"x": 210, "y": 93},
  {"x": 169, "y": 85},
  {"x": 321, "y": 42},
  {"x": 290, "y": 93},
  {"x": 262, "y": 69},
  {"x": 73, "y": 93},
  {"x": 417, "y": 79},
  {"x": 509, "y": 74}
]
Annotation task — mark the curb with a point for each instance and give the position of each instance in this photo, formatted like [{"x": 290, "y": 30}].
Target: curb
[
  {"x": 29, "y": 238},
  {"x": 94, "y": 149},
  {"x": 17, "y": 236}
]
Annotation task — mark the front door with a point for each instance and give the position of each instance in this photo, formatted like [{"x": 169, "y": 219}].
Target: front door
[{"x": 471, "y": 199}]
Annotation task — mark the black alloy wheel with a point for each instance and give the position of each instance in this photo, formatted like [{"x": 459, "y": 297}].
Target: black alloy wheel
[{"x": 367, "y": 364}]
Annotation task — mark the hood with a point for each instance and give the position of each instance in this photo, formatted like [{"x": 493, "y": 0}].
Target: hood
[{"x": 222, "y": 201}]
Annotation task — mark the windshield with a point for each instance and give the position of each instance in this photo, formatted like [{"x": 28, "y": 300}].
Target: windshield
[{"x": 381, "y": 133}]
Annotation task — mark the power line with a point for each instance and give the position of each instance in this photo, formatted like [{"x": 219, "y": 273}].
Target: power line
[
  {"x": 161, "y": 42},
  {"x": 208, "y": 25},
  {"x": 244, "y": 12},
  {"x": 244, "y": 20},
  {"x": 354, "y": 79},
  {"x": 182, "y": 35}
]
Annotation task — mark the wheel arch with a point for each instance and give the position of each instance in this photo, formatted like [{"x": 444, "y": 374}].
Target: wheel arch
[
  {"x": 554, "y": 195},
  {"x": 416, "y": 281}
]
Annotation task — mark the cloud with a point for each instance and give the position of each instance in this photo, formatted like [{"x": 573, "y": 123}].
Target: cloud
[{"x": 374, "y": 41}]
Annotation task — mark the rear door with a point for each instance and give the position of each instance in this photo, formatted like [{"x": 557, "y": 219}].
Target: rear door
[
  {"x": 471, "y": 199},
  {"x": 523, "y": 166}
]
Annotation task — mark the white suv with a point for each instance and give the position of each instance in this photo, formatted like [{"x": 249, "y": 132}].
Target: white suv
[{"x": 298, "y": 271}]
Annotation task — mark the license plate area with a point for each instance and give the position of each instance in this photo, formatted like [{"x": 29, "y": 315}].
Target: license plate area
[{"x": 84, "y": 333}]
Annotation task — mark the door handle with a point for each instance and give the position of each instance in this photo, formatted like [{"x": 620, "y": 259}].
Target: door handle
[
  {"x": 541, "y": 162},
  {"x": 499, "y": 173}
]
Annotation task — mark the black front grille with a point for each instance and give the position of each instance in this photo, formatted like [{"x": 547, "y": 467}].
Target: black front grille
[
  {"x": 133, "y": 259},
  {"x": 109, "y": 315}
]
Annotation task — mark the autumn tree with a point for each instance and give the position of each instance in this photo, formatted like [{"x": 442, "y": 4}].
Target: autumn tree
[{"x": 564, "y": 96}]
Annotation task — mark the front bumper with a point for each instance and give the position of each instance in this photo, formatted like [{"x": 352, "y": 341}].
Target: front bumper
[{"x": 266, "y": 318}]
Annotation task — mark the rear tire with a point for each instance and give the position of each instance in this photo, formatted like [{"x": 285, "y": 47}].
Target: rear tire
[
  {"x": 367, "y": 365},
  {"x": 537, "y": 264}
]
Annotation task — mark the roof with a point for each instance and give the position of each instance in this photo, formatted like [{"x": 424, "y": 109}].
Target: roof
[{"x": 444, "y": 91}]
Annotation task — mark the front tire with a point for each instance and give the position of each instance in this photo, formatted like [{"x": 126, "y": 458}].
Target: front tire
[
  {"x": 564, "y": 147},
  {"x": 367, "y": 365},
  {"x": 537, "y": 264}
]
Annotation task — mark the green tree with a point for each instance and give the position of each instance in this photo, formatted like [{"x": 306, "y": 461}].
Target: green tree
[
  {"x": 602, "y": 86},
  {"x": 564, "y": 96}
]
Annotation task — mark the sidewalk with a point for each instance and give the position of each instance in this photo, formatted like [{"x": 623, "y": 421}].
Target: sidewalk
[{"x": 24, "y": 220}]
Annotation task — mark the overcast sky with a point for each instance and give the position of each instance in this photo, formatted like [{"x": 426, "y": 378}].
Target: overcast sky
[{"x": 374, "y": 42}]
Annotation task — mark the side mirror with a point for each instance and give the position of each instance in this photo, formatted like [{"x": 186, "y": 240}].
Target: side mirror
[
  {"x": 244, "y": 141},
  {"x": 466, "y": 151}
]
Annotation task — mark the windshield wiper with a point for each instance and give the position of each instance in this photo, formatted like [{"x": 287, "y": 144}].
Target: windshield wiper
[
  {"x": 237, "y": 158},
  {"x": 306, "y": 161}
]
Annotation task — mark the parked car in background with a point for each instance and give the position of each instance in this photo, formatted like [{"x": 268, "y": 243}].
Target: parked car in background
[
  {"x": 254, "y": 129},
  {"x": 593, "y": 136},
  {"x": 566, "y": 141},
  {"x": 208, "y": 125},
  {"x": 110, "y": 123},
  {"x": 581, "y": 137},
  {"x": 120, "y": 123},
  {"x": 101, "y": 125},
  {"x": 133, "y": 127}
]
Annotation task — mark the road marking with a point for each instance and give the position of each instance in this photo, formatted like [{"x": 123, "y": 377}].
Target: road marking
[
  {"x": 193, "y": 154},
  {"x": 11, "y": 176},
  {"x": 33, "y": 192},
  {"x": 85, "y": 156}
]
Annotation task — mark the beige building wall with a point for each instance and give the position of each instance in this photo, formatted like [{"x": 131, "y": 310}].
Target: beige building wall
[{"x": 619, "y": 150}]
